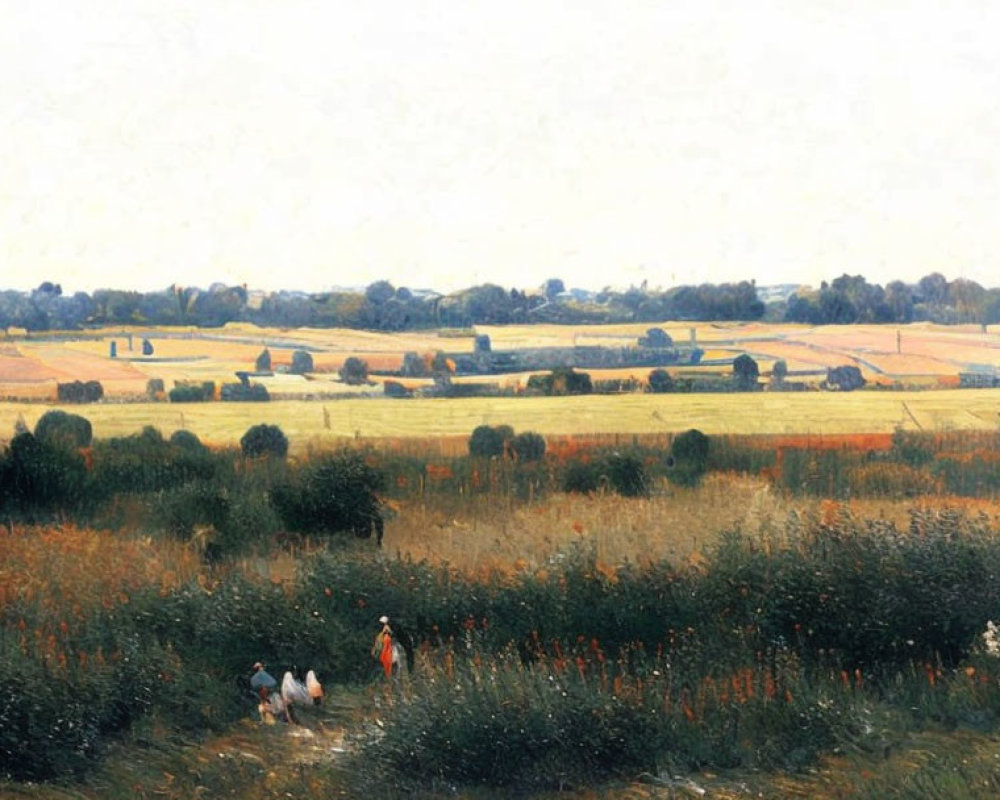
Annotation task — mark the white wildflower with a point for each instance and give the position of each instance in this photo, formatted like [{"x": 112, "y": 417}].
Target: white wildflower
[{"x": 991, "y": 639}]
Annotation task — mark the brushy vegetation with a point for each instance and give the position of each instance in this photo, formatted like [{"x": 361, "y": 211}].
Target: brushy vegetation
[
  {"x": 755, "y": 655},
  {"x": 760, "y": 657}
]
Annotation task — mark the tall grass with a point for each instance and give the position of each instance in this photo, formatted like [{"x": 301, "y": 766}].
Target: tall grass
[{"x": 824, "y": 601}]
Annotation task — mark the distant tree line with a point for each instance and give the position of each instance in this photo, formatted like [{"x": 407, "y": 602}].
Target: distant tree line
[
  {"x": 851, "y": 299},
  {"x": 382, "y": 306}
]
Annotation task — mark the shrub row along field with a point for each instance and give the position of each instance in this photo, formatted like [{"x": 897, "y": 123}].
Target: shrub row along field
[
  {"x": 231, "y": 501},
  {"x": 758, "y": 657}
]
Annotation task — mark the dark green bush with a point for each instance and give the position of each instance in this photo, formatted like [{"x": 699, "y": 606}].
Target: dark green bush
[
  {"x": 244, "y": 393},
  {"x": 264, "y": 440},
  {"x": 192, "y": 393},
  {"x": 528, "y": 446},
  {"x": 38, "y": 479},
  {"x": 186, "y": 508},
  {"x": 185, "y": 440},
  {"x": 263, "y": 361},
  {"x": 975, "y": 477},
  {"x": 745, "y": 373},
  {"x": 865, "y": 595},
  {"x": 845, "y": 378},
  {"x": 660, "y": 381},
  {"x": 561, "y": 381},
  {"x": 581, "y": 477},
  {"x": 79, "y": 392},
  {"x": 625, "y": 473},
  {"x": 67, "y": 431},
  {"x": 302, "y": 362},
  {"x": 354, "y": 371},
  {"x": 331, "y": 494},
  {"x": 154, "y": 388},
  {"x": 145, "y": 462},
  {"x": 688, "y": 459},
  {"x": 488, "y": 441}
]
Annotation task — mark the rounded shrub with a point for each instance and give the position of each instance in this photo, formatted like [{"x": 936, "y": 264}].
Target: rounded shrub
[
  {"x": 264, "y": 440},
  {"x": 186, "y": 440},
  {"x": 660, "y": 381},
  {"x": 331, "y": 494},
  {"x": 625, "y": 474},
  {"x": 580, "y": 478},
  {"x": 59, "y": 429},
  {"x": 487, "y": 441},
  {"x": 528, "y": 446},
  {"x": 688, "y": 458},
  {"x": 302, "y": 362},
  {"x": 354, "y": 371},
  {"x": 182, "y": 510}
]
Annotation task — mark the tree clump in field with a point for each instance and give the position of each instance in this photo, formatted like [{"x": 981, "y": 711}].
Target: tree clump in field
[
  {"x": 688, "y": 459},
  {"x": 561, "y": 381},
  {"x": 244, "y": 392},
  {"x": 155, "y": 389},
  {"x": 354, "y": 371},
  {"x": 660, "y": 381},
  {"x": 414, "y": 366},
  {"x": 264, "y": 440},
  {"x": 63, "y": 430},
  {"x": 199, "y": 392},
  {"x": 745, "y": 373},
  {"x": 528, "y": 446},
  {"x": 302, "y": 362},
  {"x": 500, "y": 441},
  {"x": 79, "y": 392},
  {"x": 779, "y": 372},
  {"x": 657, "y": 338},
  {"x": 263, "y": 362},
  {"x": 488, "y": 441},
  {"x": 843, "y": 379}
]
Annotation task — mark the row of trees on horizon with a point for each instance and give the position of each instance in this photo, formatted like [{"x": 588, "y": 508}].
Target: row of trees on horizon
[{"x": 382, "y": 306}]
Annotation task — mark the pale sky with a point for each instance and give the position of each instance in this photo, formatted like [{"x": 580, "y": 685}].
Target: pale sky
[{"x": 302, "y": 145}]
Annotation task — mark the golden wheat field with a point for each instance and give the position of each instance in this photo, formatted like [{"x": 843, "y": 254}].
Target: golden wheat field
[{"x": 321, "y": 423}]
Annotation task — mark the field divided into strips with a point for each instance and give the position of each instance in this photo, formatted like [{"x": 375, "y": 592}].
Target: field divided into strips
[
  {"x": 325, "y": 422},
  {"x": 928, "y": 356},
  {"x": 923, "y": 354}
]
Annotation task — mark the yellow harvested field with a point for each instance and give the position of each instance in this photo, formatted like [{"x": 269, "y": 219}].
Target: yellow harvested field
[
  {"x": 324, "y": 422},
  {"x": 16, "y": 368},
  {"x": 69, "y": 362}
]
